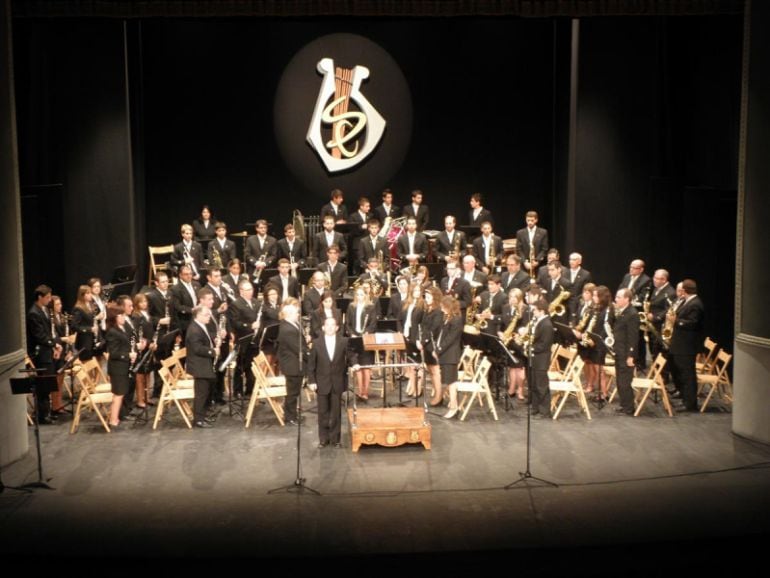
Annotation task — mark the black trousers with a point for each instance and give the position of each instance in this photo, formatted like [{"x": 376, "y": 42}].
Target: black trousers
[
  {"x": 541, "y": 397},
  {"x": 293, "y": 385},
  {"x": 245, "y": 356},
  {"x": 44, "y": 400},
  {"x": 685, "y": 380},
  {"x": 329, "y": 417},
  {"x": 202, "y": 387},
  {"x": 623, "y": 377}
]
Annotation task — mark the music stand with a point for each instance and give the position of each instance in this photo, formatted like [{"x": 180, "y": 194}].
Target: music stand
[
  {"x": 384, "y": 342},
  {"x": 37, "y": 385},
  {"x": 123, "y": 273},
  {"x": 304, "y": 275}
]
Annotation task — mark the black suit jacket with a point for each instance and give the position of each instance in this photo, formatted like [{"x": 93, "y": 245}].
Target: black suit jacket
[
  {"x": 484, "y": 215},
  {"x": 460, "y": 290},
  {"x": 541, "y": 344},
  {"x": 317, "y": 321},
  {"x": 479, "y": 248},
  {"x": 253, "y": 251},
  {"x": 339, "y": 277},
  {"x": 182, "y": 305},
  {"x": 311, "y": 301},
  {"x": 422, "y": 216},
  {"x": 298, "y": 250},
  {"x": 290, "y": 343},
  {"x": 626, "y": 333},
  {"x": 448, "y": 344},
  {"x": 156, "y": 304},
  {"x": 292, "y": 287},
  {"x": 200, "y": 352},
  {"x": 330, "y": 374},
  {"x": 540, "y": 243},
  {"x": 202, "y": 231},
  {"x": 227, "y": 254},
  {"x": 519, "y": 280},
  {"x": 640, "y": 286},
  {"x": 341, "y": 214},
  {"x": 321, "y": 246},
  {"x": 369, "y": 320},
  {"x": 420, "y": 246},
  {"x": 583, "y": 276},
  {"x": 366, "y": 252},
  {"x": 357, "y": 219},
  {"x": 40, "y": 339},
  {"x": 687, "y": 338},
  {"x": 444, "y": 247},
  {"x": 242, "y": 316},
  {"x": 394, "y": 307},
  {"x": 382, "y": 214},
  {"x": 660, "y": 303},
  {"x": 496, "y": 306},
  {"x": 196, "y": 252},
  {"x": 83, "y": 324},
  {"x": 480, "y": 278}
]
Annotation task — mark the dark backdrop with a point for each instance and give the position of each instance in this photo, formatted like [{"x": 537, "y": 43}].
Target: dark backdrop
[{"x": 656, "y": 152}]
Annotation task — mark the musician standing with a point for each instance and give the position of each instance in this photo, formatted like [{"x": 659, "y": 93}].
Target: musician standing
[
  {"x": 188, "y": 252},
  {"x": 335, "y": 208},
  {"x": 287, "y": 285},
  {"x": 215, "y": 298},
  {"x": 361, "y": 219},
  {"x": 542, "y": 340},
  {"x": 430, "y": 327},
  {"x": 84, "y": 323},
  {"x": 41, "y": 343},
  {"x": 455, "y": 286},
  {"x": 360, "y": 319},
  {"x": 514, "y": 277},
  {"x": 159, "y": 304},
  {"x": 260, "y": 249},
  {"x": 662, "y": 298},
  {"x": 292, "y": 357},
  {"x": 234, "y": 275},
  {"x": 203, "y": 226},
  {"x": 448, "y": 347},
  {"x": 202, "y": 344},
  {"x": 372, "y": 245},
  {"x": 491, "y": 303},
  {"x": 245, "y": 320},
  {"x": 532, "y": 239},
  {"x": 327, "y": 238},
  {"x": 686, "y": 342},
  {"x": 626, "y": 333},
  {"x": 184, "y": 297},
  {"x": 121, "y": 356},
  {"x": 335, "y": 272},
  {"x": 413, "y": 245},
  {"x": 637, "y": 281},
  {"x": 143, "y": 322},
  {"x": 488, "y": 249},
  {"x": 221, "y": 250},
  {"x": 450, "y": 243},
  {"x": 558, "y": 284},
  {"x": 292, "y": 249},
  {"x": 478, "y": 215},
  {"x": 325, "y": 310},
  {"x": 327, "y": 376},
  {"x": 387, "y": 208},
  {"x": 418, "y": 210},
  {"x": 409, "y": 322}
]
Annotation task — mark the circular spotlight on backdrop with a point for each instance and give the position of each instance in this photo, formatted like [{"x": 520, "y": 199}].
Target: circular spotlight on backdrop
[{"x": 343, "y": 116}]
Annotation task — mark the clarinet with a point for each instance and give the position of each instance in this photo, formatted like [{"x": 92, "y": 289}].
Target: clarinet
[
  {"x": 259, "y": 321},
  {"x": 132, "y": 366},
  {"x": 146, "y": 355},
  {"x": 220, "y": 327}
]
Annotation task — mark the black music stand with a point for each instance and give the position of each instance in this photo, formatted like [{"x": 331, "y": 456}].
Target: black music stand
[
  {"x": 526, "y": 475},
  {"x": 123, "y": 273},
  {"x": 37, "y": 385},
  {"x": 304, "y": 275}
]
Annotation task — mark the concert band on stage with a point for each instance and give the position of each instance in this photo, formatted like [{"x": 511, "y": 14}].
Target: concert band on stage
[{"x": 436, "y": 287}]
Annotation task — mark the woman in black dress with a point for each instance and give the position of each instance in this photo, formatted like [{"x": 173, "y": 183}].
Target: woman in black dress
[
  {"x": 203, "y": 228},
  {"x": 121, "y": 356},
  {"x": 326, "y": 309},
  {"x": 409, "y": 323},
  {"x": 59, "y": 330},
  {"x": 361, "y": 319},
  {"x": 515, "y": 309},
  {"x": 145, "y": 330},
  {"x": 271, "y": 312},
  {"x": 585, "y": 324},
  {"x": 84, "y": 323},
  {"x": 430, "y": 326},
  {"x": 605, "y": 317},
  {"x": 448, "y": 346}
]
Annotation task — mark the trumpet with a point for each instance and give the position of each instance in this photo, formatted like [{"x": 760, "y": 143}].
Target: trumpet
[
  {"x": 258, "y": 272},
  {"x": 189, "y": 260}
]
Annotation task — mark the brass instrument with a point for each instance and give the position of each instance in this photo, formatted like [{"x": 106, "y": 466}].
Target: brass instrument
[
  {"x": 556, "y": 308},
  {"x": 221, "y": 326},
  {"x": 532, "y": 261},
  {"x": 229, "y": 291},
  {"x": 189, "y": 260},
  {"x": 470, "y": 315},
  {"x": 668, "y": 326},
  {"x": 217, "y": 257},
  {"x": 609, "y": 341},
  {"x": 586, "y": 340},
  {"x": 258, "y": 272},
  {"x": 455, "y": 252},
  {"x": 492, "y": 258},
  {"x": 388, "y": 284},
  {"x": 482, "y": 323},
  {"x": 510, "y": 330},
  {"x": 525, "y": 340}
]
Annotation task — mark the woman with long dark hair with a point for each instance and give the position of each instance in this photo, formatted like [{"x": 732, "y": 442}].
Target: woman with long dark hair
[
  {"x": 120, "y": 357},
  {"x": 448, "y": 348},
  {"x": 84, "y": 323}
]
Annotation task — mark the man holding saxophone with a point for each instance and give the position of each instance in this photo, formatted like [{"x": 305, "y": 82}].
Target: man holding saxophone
[{"x": 626, "y": 335}]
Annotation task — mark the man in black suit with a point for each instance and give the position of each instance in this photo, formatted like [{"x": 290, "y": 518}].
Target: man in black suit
[
  {"x": 417, "y": 210},
  {"x": 626, "y": 333},
  {"x": 292, "y": 357},
  {"x": 478, "y": 214},
  {"x": 184, "y": 297},
  {"x": 335, "y": 208},
  {"x": 327, "y": 376},
  {"x": 260, "y": 250},
  {"x": 327, "y": 238},
  {"x": 291, "y": 249},
  {"x": 532, "y": 239},
  {"x": 640, "y": 284},
  {"x": 222, "y": 328},
  {"x": 686, "y": 342},
  {"x": 313, "y": 296},
  {"x": 488, "y": 249},
  {"x": 543, "y": 278},
  {"x": 455, "y": 286},
  {"x": 373, "y": 246},
  {"x": 472, "y": 275},
  {"x": 387, "y": 208},
  {"x": 542, "y": 340},
  {"x": 514, "y": 277},
  {"x": 245, "y": 320},
  {"x": 491, "y": 303},
  {"x": 42, "y": 344},
  {"x": 202, "y": 343},
  {"x": 287, "y": 285},
  {"x": 412, "y": 245},
  {"x": 555, "y": 286},
  {"x": 361, "y": 219},
  {"x": 221, "y": 249},
  {"x": 159, "y": 308},
  {"x": 662, "y": 297},
  {"x": 188, "y": 252},
  {"x": 450, "y": 243},
  {"x": 577, "y": 275},
  {"x": 335, "y": 272}
]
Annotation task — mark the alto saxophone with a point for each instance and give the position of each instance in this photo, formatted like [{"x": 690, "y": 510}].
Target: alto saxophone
[
  {"x": 492, "y": 257},
  {"x": 455, "y": 252},
  {"x": 510, "y": 331},
  {"x": 668, "y": 327},
  {"x": 556, "y": 308},
  {"x": 470, "y": 314},
  {"x": 586, "y": 340}
]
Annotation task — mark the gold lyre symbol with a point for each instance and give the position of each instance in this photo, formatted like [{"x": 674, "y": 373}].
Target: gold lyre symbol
[{"x": 344, "y": 149}]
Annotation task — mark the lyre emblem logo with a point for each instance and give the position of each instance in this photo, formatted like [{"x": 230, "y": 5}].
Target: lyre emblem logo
[{"x": 346, "y": 129}]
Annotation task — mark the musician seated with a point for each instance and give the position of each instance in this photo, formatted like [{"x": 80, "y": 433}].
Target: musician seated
[
  {"x": 287, "y": 285},
  {"x": 187, "y": 252},
  {"x": 412, "y": 246},
  {"x": 221, "y": 249},
  {"x": 373, "y": 246},
  {"x": 329, "y": 237},
  {"x": 372, "y": 275},
  {"x": 450, "y": 243},
  {"x": 335, "y": 272},
  {"x": 514, "y": 277},
  {"x": 471, "y": 274},
  {"x": 488, "y": 249},
  {"x": 491, "y": 303},
  {"x": 292, "y": 249}
]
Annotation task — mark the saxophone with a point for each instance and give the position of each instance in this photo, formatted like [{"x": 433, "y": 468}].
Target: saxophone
[
  {"x": 492, "y": 257},
  {"x": 586, "y": 340},
  {"x": 455, "y": 252},
  {"x": 220, "y": 327},
  {"x": 217, "y": 257},
  {"x": 556, "y": 308},
  {"x": 609, "y": 341},
  {"x": 510, "y": 330},
  {"x": 532, "y": 262},
  {"x": 668, "y": 326},
  {"x": 470, "y": 315},
  {"x": 482, "y": 323}
]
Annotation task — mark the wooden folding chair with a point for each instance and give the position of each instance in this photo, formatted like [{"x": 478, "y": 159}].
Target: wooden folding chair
[
  {"x": 717, "y": 381},
  {"x": 477, "y": 387},
  {"x": 94, "y": 395},
  {"x": 466, "y": 368},
  {"x": 160, "y": 251},
  {"x": 269, "y": 388},
  {"x": 571, "y": 385},
  {"x": 561, "y": 363},
  {"x": 609, "y": 371},
  {"x": 175, "y": 390},
  {"x": 653, "y": 382},
  {"x": 706, "y": 362}
]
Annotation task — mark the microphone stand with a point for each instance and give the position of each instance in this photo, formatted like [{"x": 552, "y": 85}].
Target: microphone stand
[
  {"x": 526, "y": 476},
  {"x": 299, "y": 486}
]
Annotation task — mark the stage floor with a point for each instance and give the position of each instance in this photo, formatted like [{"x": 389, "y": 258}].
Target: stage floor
[{"x": 204, "y": 493}]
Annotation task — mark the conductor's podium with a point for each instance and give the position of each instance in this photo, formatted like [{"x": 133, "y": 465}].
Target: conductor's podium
[{"x": 389, "y": 427}]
